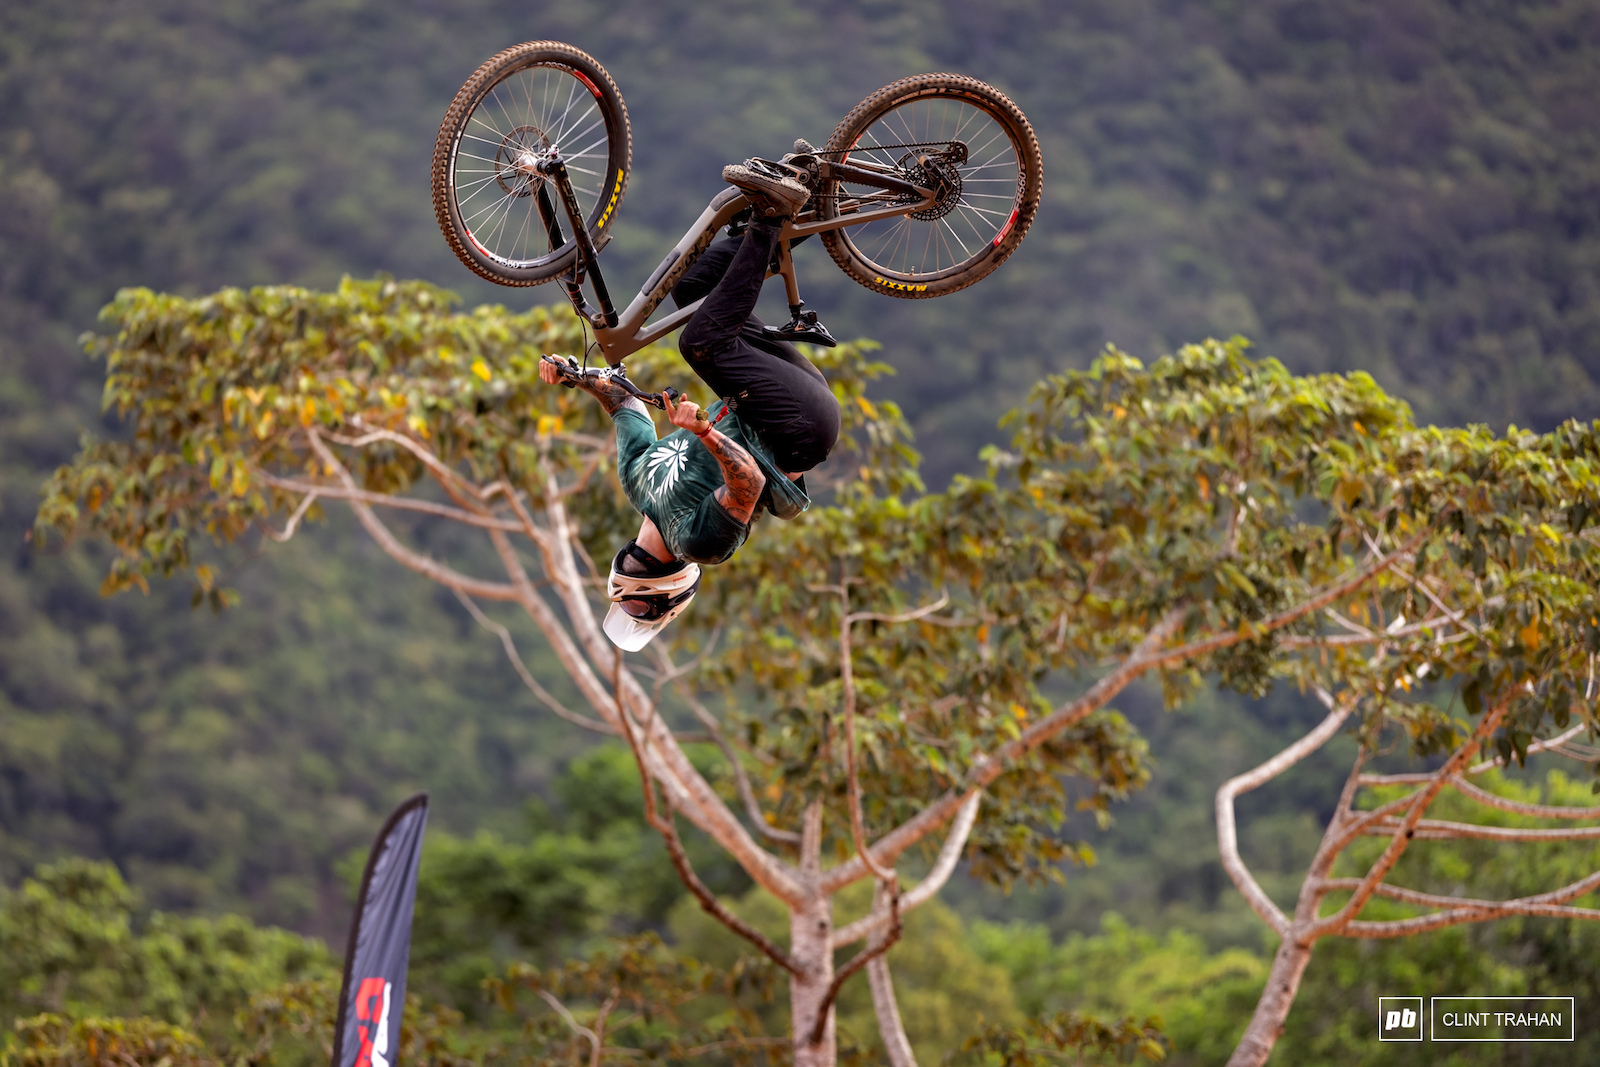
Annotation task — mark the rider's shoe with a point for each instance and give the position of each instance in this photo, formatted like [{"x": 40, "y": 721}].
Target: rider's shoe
[
  {"x": 771, "y": 190},
  {"x": 802, "y": 147}
]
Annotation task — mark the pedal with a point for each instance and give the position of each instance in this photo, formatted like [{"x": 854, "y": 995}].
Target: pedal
[{"x": 804, "y": 327}]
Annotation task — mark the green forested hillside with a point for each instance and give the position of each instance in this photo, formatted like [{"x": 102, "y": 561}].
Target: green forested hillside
[{"x": 1406, "y": 186}]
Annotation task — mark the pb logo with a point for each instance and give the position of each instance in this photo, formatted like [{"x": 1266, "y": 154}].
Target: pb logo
[{"x": 1399, "y": 1018}]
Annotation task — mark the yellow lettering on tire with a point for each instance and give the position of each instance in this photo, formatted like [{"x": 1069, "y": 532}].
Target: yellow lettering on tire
[
  {"x": 901, "y": 286},
  {"x": 612, "y": 206}
]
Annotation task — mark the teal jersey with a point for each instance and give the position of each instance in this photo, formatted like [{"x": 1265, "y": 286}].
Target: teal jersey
[{"x": 672, "y": 482}]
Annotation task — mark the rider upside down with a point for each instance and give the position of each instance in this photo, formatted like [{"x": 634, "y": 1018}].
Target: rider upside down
[{"x": 776, "y": 419}]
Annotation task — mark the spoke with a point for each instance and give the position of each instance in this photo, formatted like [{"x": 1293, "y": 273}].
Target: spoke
[
  {"x": 972, "y": 113},
  {"x": 976, "y": 232},
  {"x": 1003, "y": 150},
  {"x": 523, "y": 233},
  {"x": 891, "y": 236},
  {"x": 957, "y": 236},
  {"x": 481, "y": 212},
  {"x": 494, "y": 94},
  {"x": 477, "y": 116},
  {"x": 560, "y": 122},
  {"x": 492, "y": 228},
  {"x": 474, "y": 183},
  {"x": 590, "y": 148},
  {"x": 900, "y": 114},
  {"x": 497, "y": 164},
  {"x": 571, "y": 133}
]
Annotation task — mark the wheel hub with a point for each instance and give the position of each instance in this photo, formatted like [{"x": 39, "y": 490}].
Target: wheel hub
[{"x": 516, "y": 160}]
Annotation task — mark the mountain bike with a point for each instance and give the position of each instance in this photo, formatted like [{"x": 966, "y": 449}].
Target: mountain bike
[{"x": 924, "y": 188}]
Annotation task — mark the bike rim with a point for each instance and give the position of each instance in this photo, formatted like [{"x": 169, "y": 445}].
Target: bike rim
[
  {"x": 963, "y": 227},
  {"x": 521, "y": 116}
]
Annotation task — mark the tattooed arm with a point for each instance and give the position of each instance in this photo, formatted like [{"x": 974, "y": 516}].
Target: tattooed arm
[
  {"x": 613, "y": 398},
  {"x": 742, "y": 478}
]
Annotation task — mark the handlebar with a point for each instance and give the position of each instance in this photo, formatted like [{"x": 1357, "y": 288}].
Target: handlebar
[{"x": 573, "y": 375}]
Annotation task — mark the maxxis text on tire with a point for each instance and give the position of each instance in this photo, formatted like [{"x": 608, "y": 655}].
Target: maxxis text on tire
[{"x": 979, "y": 229}]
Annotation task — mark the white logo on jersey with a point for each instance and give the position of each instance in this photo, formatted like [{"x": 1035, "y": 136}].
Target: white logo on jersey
[{"x": 667, "y": 461}]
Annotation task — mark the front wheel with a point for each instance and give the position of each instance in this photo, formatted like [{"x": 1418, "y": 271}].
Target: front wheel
[
  {"x": 499, "y": 215},
  {"x": 947, "y": 132}
]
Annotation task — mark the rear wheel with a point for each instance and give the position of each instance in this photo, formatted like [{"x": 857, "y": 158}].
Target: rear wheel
[
  {"x": 515, "y": 109},
  {"x": 947, "y": 132}
]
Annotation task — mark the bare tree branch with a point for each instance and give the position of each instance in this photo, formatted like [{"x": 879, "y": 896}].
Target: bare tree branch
[
  {"x": 949, "y": 855},
  {"x": 450, "y": 480},
  {"x": 571, "y": 1020},
  {"x": 1406, "y": 828},
  {"x": 858, "y": 961},
  {"x": 566, "y": 650},
  {"x": 407, "y": 558},
  {"x": 387, "y": 500},
  {"x": 1537, "y": 746},
  {"x": 858, "y": 831},
  {"x": 685, "y": 787},
  {"x": 747, "y": 796},
  {"x": 527, "y": 677},
  {"x": 1227, "y": 828},
  {"x": 680, "y": 859},
  {"x": 294, "y": 519},
  {"x": 987, "y": 768},
  {"x": 1440, "y": 830},
  {"x": 1538, "y": 811},
  {"x": 891, "y": 1028},
  {"x": 1572, "y": 891}
]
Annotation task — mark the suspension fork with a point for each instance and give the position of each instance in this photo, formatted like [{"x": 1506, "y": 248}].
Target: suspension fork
[{"x": 587, "y": 262}]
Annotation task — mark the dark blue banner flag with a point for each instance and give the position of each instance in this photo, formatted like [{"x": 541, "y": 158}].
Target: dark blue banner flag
[{"x": 374, "y": 992}]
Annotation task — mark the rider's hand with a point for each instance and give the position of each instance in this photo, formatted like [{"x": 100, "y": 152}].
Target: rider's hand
[
  {"x": 687, "y": 414},
  {"x": 549, "y": 373}
]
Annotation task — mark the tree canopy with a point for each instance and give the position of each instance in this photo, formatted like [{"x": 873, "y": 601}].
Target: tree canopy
[{"x": 880, "y": 659}]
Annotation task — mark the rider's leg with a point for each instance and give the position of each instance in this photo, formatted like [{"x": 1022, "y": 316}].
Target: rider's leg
[
  {"x": 729, "y": 304},
  {"x": 704, "y": 276},
  {"x": 774, "y": 389}
]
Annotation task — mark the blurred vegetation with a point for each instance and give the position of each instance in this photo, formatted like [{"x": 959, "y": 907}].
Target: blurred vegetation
[{"x": 1406, "y": 186}]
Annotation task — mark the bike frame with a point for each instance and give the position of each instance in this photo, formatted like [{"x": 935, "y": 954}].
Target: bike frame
[{"x": 620, "y": 334}]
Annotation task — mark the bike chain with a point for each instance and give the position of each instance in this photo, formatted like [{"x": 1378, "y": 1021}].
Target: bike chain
[{"x": 876, "y": 147}]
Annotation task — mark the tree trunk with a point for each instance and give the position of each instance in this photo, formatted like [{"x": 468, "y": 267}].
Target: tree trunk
[
  {"x": 1283, "y": 982},
  {"x": 895, "y": 1043},
  {"x": 810, "y": 931}
]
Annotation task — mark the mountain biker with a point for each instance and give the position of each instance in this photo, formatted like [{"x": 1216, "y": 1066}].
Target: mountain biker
[{"x": 699, "y": 488}]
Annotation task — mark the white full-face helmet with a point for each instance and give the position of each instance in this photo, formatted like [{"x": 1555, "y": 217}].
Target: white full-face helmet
[{"x": 646, "y": 600}]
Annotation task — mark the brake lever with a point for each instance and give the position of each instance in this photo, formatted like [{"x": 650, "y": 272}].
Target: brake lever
[{"x": 572, "y": 376}]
